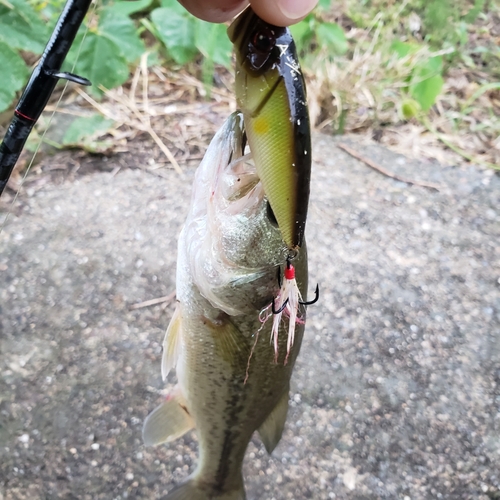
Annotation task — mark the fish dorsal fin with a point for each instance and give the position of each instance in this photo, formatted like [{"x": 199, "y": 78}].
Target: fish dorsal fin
[
  {"x": 171, "y": 343},
  {"x": 167, "y": 422},
  {"x": 270, "y": 431}
]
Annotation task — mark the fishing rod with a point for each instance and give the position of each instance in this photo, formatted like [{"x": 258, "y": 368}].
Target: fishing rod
[{"x": 41, "y": 85}]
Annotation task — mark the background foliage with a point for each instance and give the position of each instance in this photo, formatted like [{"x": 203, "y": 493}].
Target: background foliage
[{"x": 369, "y": 62}]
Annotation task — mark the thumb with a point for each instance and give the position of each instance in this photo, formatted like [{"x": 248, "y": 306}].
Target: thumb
[{"x": 283, "y": 12}]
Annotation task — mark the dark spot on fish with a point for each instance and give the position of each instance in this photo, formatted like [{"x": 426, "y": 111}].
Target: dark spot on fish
[
  {"x": 185, "y": 409},
  {"x": 243, "y": 142},
  {"x": 234, "y": 406}
]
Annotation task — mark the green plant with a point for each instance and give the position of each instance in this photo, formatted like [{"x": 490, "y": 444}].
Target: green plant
[
  {"x": 185, "y": 37},
  {"x": 314, "y": 35},
  {"x": 84, "y": 131},
  {"x": 425, "y": 80},
  {"x": 109, "y": 43},
  {"x": 21, "y": 29},
  {"x": 105, "y": 51}
]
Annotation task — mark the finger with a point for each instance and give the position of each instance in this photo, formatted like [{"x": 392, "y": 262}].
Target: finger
[
  {"x": 283, "y": 12},
  {"x": 215, "y": 11}
]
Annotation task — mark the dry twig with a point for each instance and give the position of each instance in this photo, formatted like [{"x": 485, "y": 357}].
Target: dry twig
[
  {"x": 159, "y": 300},
  {"x": 385, "y": 172}
]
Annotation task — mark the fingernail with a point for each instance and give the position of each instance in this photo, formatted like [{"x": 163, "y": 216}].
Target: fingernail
[{"x": 295, "y": 9}]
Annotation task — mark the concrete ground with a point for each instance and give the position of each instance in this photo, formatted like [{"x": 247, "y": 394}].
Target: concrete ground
[{"x": 396, "y": 394}]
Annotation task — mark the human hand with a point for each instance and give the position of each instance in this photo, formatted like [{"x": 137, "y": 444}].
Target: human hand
[{"x": 277, "y": 12}]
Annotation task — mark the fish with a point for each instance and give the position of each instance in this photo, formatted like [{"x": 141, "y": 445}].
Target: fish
[
  {"x": 233, "y": 339},
  {"x": 230, "y": 383}
]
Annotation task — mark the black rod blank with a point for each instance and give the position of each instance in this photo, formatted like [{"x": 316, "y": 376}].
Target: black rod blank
[{"x": 41, "y": 85}]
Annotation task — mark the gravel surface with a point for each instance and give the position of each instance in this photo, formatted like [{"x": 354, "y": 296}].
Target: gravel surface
[{"x": 396, "y": 394}]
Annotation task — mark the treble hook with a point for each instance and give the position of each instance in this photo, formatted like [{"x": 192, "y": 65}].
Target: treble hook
[
  {"x": 309, "y": 303},
  {"x": 313, "y": 301},
  {"x": 273, "y": 308}
]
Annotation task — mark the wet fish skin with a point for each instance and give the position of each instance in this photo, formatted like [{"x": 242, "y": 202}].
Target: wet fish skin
[{"x": 229, "y": 255}]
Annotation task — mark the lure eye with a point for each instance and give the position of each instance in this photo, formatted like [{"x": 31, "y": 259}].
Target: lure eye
[
  {"x": 260, "y": 47},
  {"x": 264, "y": 40}
]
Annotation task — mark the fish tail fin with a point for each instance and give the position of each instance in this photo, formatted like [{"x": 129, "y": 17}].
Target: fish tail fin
[{"x": 191, "y": 491}]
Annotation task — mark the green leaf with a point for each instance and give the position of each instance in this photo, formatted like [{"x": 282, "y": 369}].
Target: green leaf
[
  {"x": 207, "y": 73},
  {"x": 409, "y": 108},
  {"x": 333, "y": 36},
  {"x": 212, "y": 41},
  {"x": 153, "y": 58},
  {"x": 14, "y": 79},
  {"x": 471, "y": 16},
  {"x": 129, "y": 7},
  {"x": 439, "y": 15},
  {"x": 426, "y": 91},
  {"x": 426, "y": 82},
  {"x": 462, "y": 33},
  {"x": 121, "y": 30},
  {"x": 176, "y": 31},
  {"x": 174, "y": 6},
  {"x": 84, "y": 130},
  {"x": 102, "y": 62},
  {"x": 21, "y": 28},
  {"x": 431, "y": 67},
  {"x": 303, "y": 32},
  {"x": 403, "y": 49}
]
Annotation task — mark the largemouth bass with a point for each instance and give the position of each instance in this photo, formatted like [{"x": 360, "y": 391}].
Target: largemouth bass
[
  {"x": 237, "y": 328},
  {"x": 229, "y": 385}
]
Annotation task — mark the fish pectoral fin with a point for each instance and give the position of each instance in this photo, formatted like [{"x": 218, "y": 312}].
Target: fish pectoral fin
[
  {"x": 167, "y": 422},
  {"x": 171, "y": 343},
  {"x": 271, "y": 430},
  {"x": 229, "y": 342}
]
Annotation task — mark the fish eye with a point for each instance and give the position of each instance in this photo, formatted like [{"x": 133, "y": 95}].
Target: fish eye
[{"x": 264, "y": 40}]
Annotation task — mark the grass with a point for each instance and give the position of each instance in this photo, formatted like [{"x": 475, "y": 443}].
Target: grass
[
  {"x": 422, "y": 78},
  {"x": 368, "y": 89}
]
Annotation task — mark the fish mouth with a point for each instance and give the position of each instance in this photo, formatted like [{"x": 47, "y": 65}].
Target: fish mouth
[
  {"x": 238, "y": 188},
  {"x": 237, "y": 181}
]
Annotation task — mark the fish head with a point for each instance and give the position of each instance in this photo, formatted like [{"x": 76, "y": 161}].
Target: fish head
[
  {"x": 231, "y": 235},
  {"x": 270, "y": 92}
]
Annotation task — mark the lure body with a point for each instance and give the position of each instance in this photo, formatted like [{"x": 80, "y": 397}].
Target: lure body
[{"x": 270, "y": 92}]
